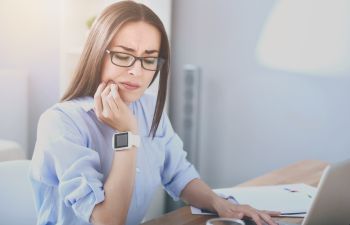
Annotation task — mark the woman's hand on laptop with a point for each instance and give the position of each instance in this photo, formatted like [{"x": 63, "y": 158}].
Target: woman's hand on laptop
[{"x": 225, "y": 208}]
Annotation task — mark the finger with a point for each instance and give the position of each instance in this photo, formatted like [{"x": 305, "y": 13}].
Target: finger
[
  {"x": 252, "y": 213},
  {"x": 267, "y": 219},
  {"x": 237, "y": 215},
  {"x": 114, "y": 90},
  {"x": 118, "y": 100},
  {"x": 115, "y": 94},
  {"x": 256, "y": 218},
  {"x": 112, "y": 104},
  {"x": 97, "y": 98},
  {"x": 271, "y": 213},
  {"x": 106, "y": 111},
  {"x": 106, "y": 90}
]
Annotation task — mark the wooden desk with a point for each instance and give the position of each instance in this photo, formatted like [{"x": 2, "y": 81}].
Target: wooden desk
[{"x": 308, "y": 172}]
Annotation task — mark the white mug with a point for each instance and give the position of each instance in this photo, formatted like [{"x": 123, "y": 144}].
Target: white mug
[{"x": 225, "y": 221}]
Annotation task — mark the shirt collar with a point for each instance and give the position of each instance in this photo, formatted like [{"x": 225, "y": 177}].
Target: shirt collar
[{"x": 87, "y": 103}]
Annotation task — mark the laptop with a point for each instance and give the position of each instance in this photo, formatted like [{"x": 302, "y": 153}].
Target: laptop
[{"x": 331, "y": 205}]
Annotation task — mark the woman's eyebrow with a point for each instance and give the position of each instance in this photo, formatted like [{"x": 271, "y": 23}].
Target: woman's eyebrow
[
  {"x": 151, "y": 51},
  {"x": 125, "y": 48},
  {"x": 133, "y": 50}
]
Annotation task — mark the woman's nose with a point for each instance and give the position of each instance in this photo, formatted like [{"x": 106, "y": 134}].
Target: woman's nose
[{"x": 136, "y": 69}]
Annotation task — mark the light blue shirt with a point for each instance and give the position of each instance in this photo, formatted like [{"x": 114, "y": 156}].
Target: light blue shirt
[{"x": 73, "y": 157}]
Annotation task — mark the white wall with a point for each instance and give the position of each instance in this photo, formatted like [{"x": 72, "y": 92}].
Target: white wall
[
  {"x": 14, "y": 108},
  {"x": 34, "y": 38},
  {"x": 253, "y": 119},
  {"x": 29, "y": 41}
]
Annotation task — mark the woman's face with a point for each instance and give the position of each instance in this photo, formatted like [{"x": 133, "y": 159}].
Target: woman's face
[{"x": 139, "y": 39}]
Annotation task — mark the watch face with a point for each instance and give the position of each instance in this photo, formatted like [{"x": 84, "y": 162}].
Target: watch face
[{"x": 121, "y": 140}]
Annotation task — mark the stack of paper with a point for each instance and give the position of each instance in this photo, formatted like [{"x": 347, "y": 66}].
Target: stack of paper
[{"x": 291, "y": 199}]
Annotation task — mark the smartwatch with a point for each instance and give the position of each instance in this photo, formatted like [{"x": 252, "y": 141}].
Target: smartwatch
[{"x": 125, "y": 140}]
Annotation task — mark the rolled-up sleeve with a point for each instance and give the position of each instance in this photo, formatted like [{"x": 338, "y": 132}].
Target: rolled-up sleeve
[
  {"x": 61, "y": 159},
  {"x": 177, "y": 171}
]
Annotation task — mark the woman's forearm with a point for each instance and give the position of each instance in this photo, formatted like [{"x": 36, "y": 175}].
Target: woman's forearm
[
  {"x": 118, "y": 190},
  {"x": 200, "y": 195}
]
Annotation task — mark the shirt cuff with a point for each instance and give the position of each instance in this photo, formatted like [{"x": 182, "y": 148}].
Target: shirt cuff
[
  {"x": 175, "y": 188},
  {"x": 91, "y": 195}
]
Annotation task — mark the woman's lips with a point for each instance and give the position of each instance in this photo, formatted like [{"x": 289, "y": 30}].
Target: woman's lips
[{"x": 130, "y": 86}]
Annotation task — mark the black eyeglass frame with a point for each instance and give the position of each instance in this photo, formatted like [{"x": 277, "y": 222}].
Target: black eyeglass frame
[{"x": 160, "y": 61}]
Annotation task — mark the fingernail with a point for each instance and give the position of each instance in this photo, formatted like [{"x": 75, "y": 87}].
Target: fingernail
[
  {"x": 113, "y": 90},
  {"x": 110, "y": 82}
]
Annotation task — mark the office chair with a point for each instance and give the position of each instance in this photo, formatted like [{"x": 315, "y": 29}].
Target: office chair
[{"x": 16, "y": 196}]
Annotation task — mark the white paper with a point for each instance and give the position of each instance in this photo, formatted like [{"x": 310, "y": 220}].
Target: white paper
[
  {"x": 197, "y": 211},
  {"x": 289, "y": 198}
]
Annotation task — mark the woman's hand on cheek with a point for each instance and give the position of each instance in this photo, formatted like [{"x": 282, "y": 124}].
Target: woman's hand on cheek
[{"x": 112, "y": 110}]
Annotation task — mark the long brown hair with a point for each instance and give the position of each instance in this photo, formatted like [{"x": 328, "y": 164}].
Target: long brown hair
[{"x": 87, "y": 75}]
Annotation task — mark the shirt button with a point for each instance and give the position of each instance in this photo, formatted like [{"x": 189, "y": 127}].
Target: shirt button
[{"x": 138, "y": 170}]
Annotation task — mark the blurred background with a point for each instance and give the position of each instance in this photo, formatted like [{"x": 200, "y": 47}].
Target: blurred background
[{"x": 255, "y": 85}]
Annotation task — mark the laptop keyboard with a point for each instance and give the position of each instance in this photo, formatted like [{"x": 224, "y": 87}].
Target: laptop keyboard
[{"x": 251, "y": 222}]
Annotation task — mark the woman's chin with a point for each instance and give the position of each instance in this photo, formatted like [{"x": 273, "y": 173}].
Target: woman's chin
[{"x": 128, "y": 98}]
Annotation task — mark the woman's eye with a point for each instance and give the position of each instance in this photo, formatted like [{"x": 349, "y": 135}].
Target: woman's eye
[
  {"x": 150, "y": 60},
  {"x": 122, "y": 57}
]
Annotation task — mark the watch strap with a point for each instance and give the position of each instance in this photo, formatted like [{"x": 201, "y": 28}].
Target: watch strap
[
  {"x": 132, "y": 140},
  {"x": 135, "y": 140}
]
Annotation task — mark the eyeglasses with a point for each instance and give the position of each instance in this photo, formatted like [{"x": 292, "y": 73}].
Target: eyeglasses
[{"x": 126, "y": 60}]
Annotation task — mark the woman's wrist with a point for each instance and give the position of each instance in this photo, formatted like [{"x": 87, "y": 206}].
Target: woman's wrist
[
  {"x": 132, "y": 129},
  {"x": 218, "y": 204}
]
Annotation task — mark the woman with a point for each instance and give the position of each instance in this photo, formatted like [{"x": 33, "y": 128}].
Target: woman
[{"x": 78, "y": 176}]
